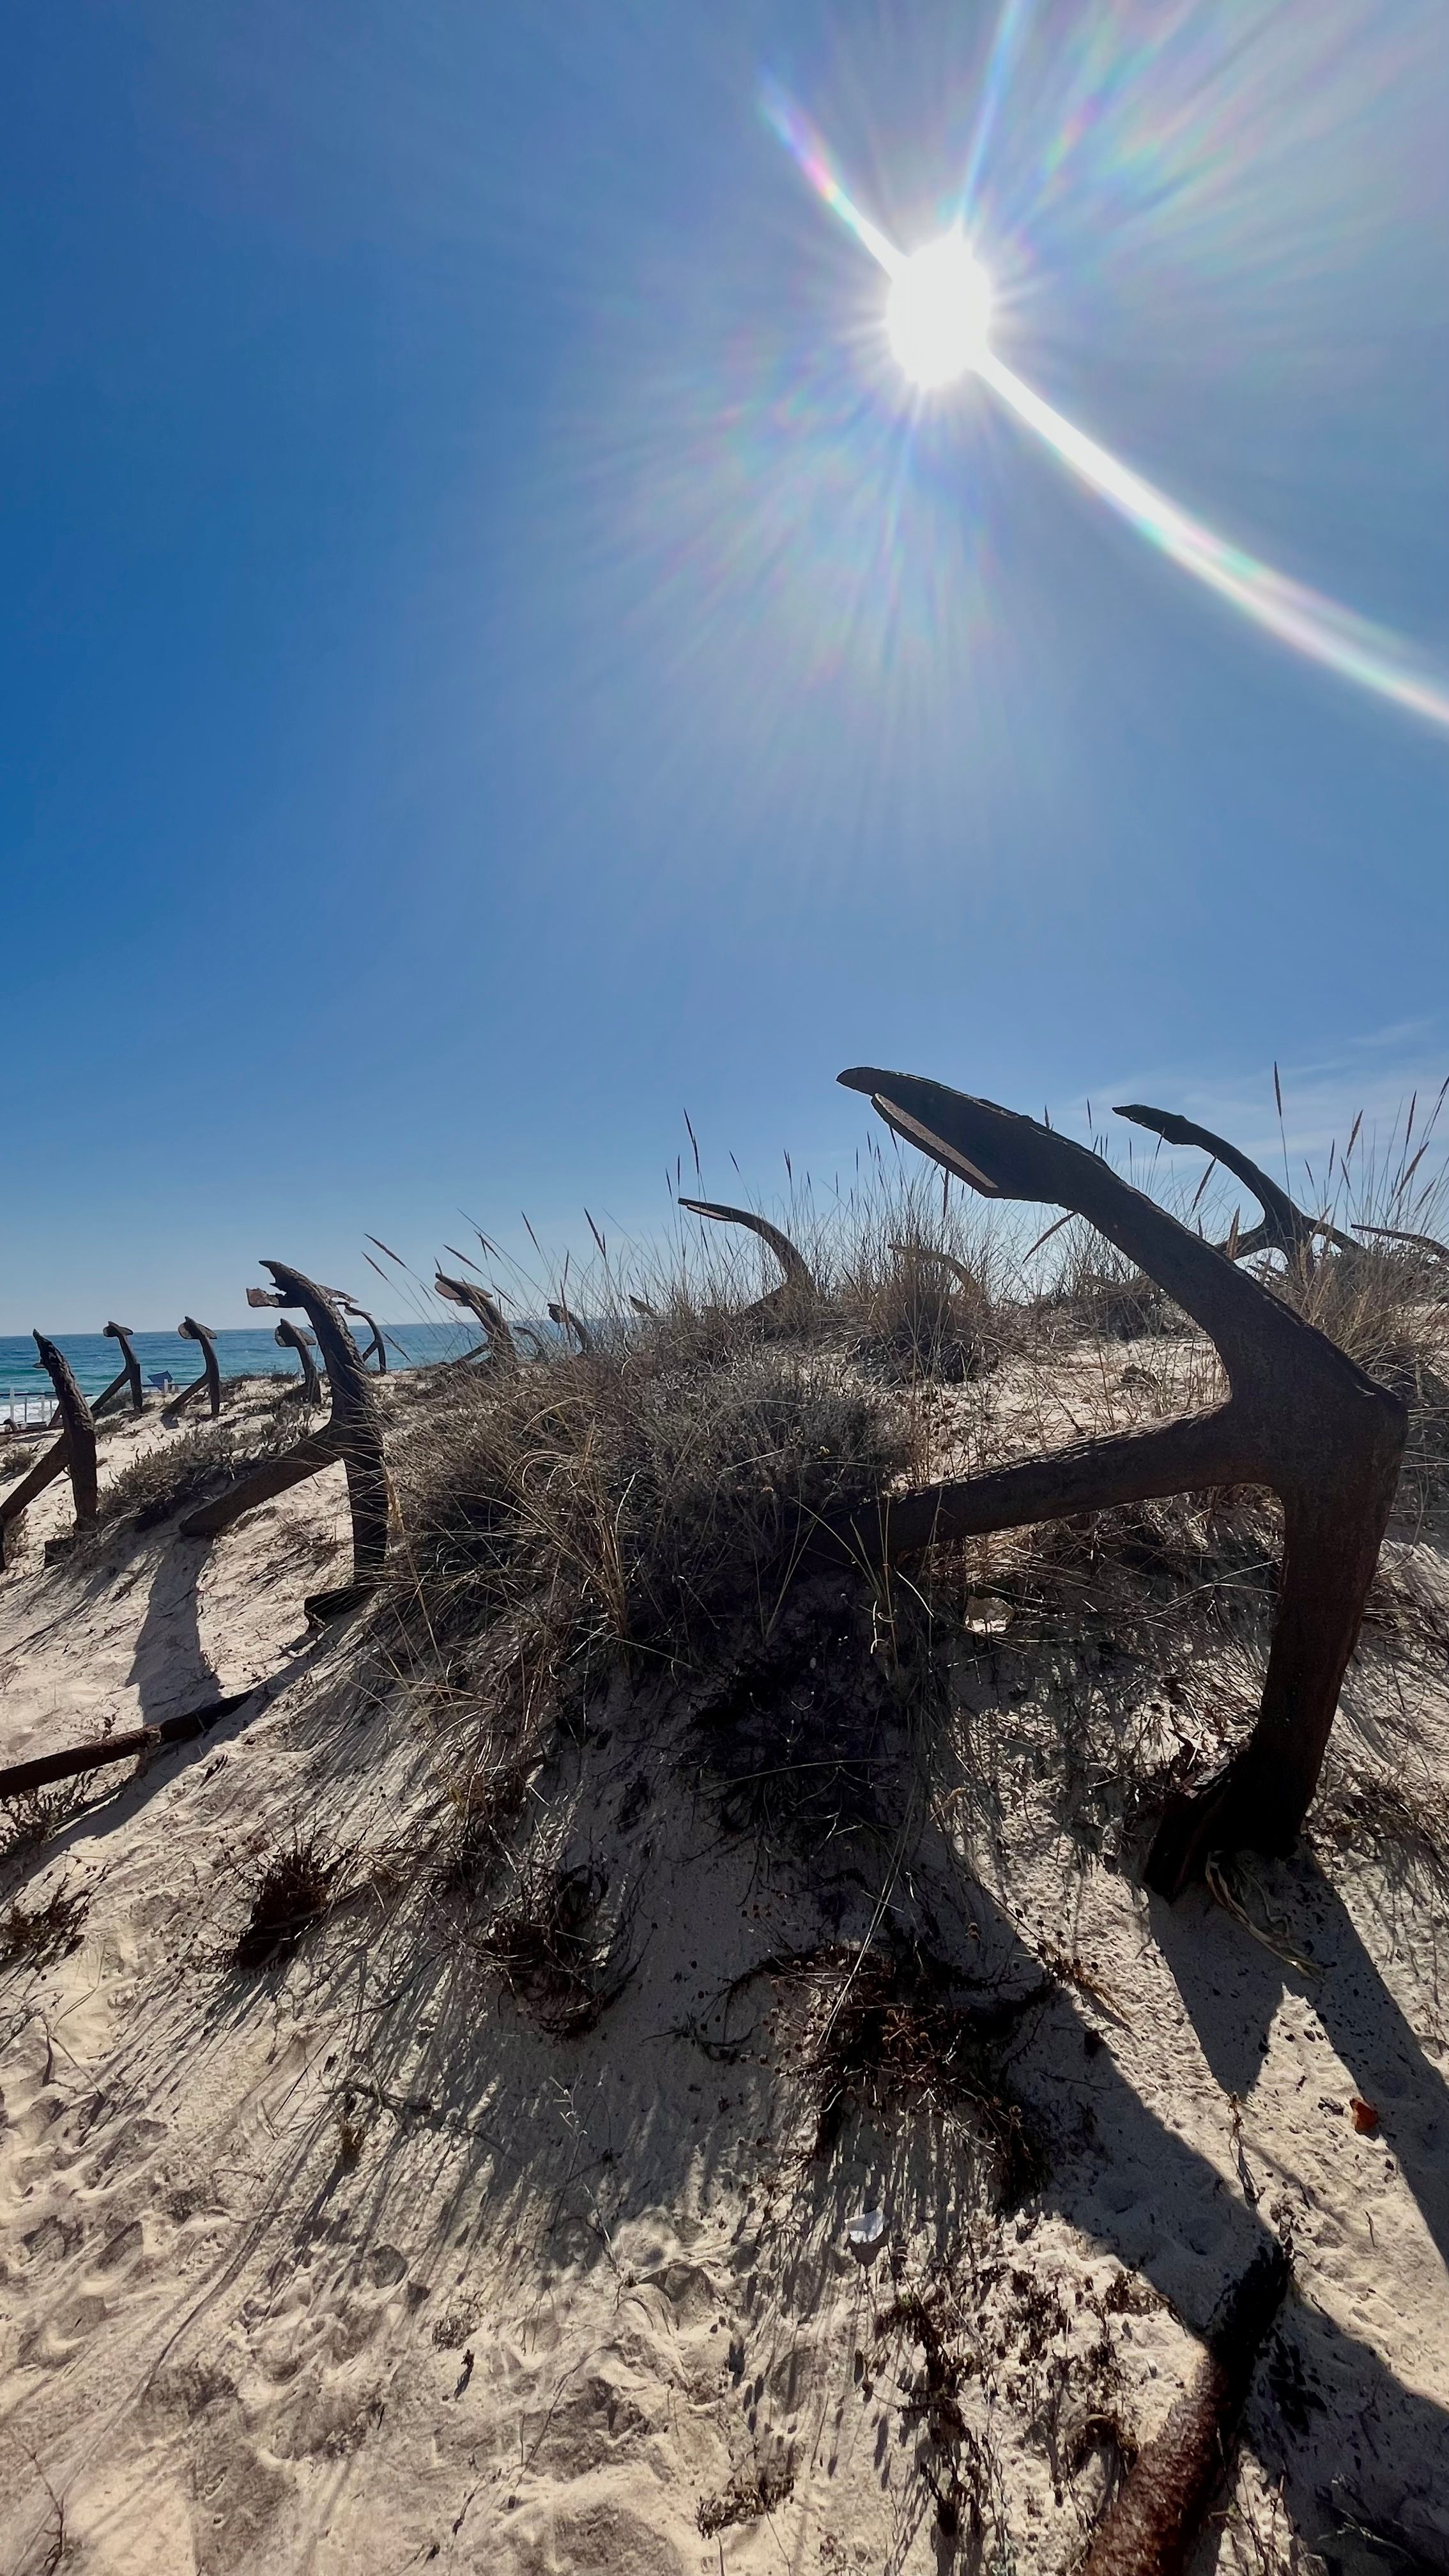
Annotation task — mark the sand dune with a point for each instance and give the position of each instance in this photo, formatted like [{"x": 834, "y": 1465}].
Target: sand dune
[{"x": 348, "y": 2263}]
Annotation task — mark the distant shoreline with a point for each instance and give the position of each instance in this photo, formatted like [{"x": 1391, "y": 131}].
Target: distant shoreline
[{"x": 243, "y": 1351}]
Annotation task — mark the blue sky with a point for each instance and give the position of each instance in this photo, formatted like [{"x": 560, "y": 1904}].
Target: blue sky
[{"x": 491, "y": 657}]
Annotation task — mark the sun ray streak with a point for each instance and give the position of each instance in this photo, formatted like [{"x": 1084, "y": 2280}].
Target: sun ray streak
[
  {"x": 807, "y": 150},
  {"x": 1010, "y": 28},
  {"x": 1335, "y": 637},
  {"x": 1312, "y": 624}
]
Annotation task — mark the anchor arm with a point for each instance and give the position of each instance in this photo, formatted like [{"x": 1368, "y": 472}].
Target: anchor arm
[
  {"x": 1284, "y": 1229},
  {"x": 275, "y": 1476},
  {"x": 1302, "y": 1419},
  {"x": 798, "y": 1274},
  {"x": 291, "y": 1339},
  {"x": 210, "y": 1378},
  {"x": 568, "y": 1322},
  {"x": 129, "y": 1375},
  {"x": 477, "y": 1301},
  {"x": 352, "y": 1435}
]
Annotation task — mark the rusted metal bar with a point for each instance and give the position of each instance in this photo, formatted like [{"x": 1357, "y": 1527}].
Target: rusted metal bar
[
  {"x": 80, "y": 1428},
  {"x": 1284, "y": 1229},
  {"x": 1419, "y": 1242},
  {"x": 376, "y": 1348},
  {"x": 75, "y": 1450},
  {"x": 129, "y": 1375},
  {"x": 498, "y": 1344},
  {"x": 945, "y": 1260},
  {"x": 1300, "y": 1418},
  {"x": 568, "y": 1322},
  {"x": 21, "y": 1778},
  {"x": 210, "y": 1378},
  {"x": 290, "y": 1338},
  {"x": 52, "y": 1463},
  {"x": 352, "y": 1435},
  {"x": 1151, "y": 2528},
  {"x": 798, "y": 1285},
  {"x": 262, "y": 1484}
]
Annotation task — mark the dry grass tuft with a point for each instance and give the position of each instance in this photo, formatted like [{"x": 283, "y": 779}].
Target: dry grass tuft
[
  {"x": 636, "y": 1499},
  {"x": 35, "y": 1936},
  {"x": 547, "y": 1945},
  {"x": 351, "y": 2134},
  {"x": 1098, "y": 1294},
  {"x": 808, "y": 1732},
  {"x": 172, "y": 1477},
  {"x": 895, "y": 2028},
  {"x": 292, "y": 1895},
  {"x": 1396, "y": 1820},
  {"x": 924, "y": 2317},
  {"x": 487, "y": 1796},
  {"x": 745, "y": 2500},
  {"x": 37, "y": 1815},
  {"x": 926, "y": 1315}
]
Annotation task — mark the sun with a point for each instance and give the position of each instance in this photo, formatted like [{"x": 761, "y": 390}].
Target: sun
[{"x": 938, "y": 311}]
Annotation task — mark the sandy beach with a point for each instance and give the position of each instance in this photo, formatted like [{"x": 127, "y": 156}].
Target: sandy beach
[{"x": 354, "y": 2262}]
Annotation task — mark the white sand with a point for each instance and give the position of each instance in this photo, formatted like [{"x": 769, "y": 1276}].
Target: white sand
[{"x": 571, "y": 2288}]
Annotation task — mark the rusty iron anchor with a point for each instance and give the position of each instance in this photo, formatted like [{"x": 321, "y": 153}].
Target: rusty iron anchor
[
  {"x": 796, "y": 1289},
  {"x": 129, "y": 1374},
  {"x": 210, "y": 1378},
  {"x": 1301, "y": 1418},
  {"x": 290, "y": 1337},
  {"x": 75, "y": 1451},
  {"x": 352, "y": 1434}
]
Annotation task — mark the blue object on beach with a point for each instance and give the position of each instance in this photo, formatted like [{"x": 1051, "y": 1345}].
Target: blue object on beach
[{"x": 161, "y": 1379}]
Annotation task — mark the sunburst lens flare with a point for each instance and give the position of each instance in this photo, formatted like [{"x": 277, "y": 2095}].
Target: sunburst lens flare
[{"x": 938, "y": 313}]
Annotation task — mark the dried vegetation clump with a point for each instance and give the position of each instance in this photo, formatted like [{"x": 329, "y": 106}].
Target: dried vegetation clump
[
  {"x": 174, "y": 1475},
  {"x": 924, "y": 1313},
  {"x": 895, "y": 2028},
  {"x": 34, "y": 1816},
  {"x": 37, "y": 1935},
  {"x": 1099, "y": 1294},
  {"x": 292, "y": 1894},
  {"x": 977, "y": 2335},
  {"x": 1388, "y": 1307},
  {"x": 1395, "y": 1819},
  {"x": 623, "y": 1518},
  {"x": 745, "y": 2500},
  {"x": 546, "y": 1942},
  {"x": 636, "y": 1499}
]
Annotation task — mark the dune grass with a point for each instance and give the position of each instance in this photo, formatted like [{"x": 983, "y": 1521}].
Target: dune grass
[{"x": 582, "y": 1517}]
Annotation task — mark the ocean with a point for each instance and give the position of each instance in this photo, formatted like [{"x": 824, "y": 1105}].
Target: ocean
[{"x": 26, "y": 1391}]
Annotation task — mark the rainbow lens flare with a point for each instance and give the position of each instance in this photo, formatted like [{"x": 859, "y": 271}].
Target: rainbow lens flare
[{"x": 936, "y": 319}]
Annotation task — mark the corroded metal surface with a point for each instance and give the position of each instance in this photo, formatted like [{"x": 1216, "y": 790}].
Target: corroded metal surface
[
  {"x": 209, "y": 1381},
  {"x": 290, "y": 1337},
  {"x": 568, "y": 1322},
  {"x": 1300, "y": 1418},
  {"x": 377, "y": 1347},
  {"x": 498, "y": 1344},
  {"x": 798, "y": 1285},
  {"x": 74, "y": 1451},
  {"x": 1160, "y": 2512},
  {"x": 1284, "y": 1229},
  {"x": 21, "y": 1779},
  {"x": 352, "y": 1435},
  {"x": 128, "y": 1376}
]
